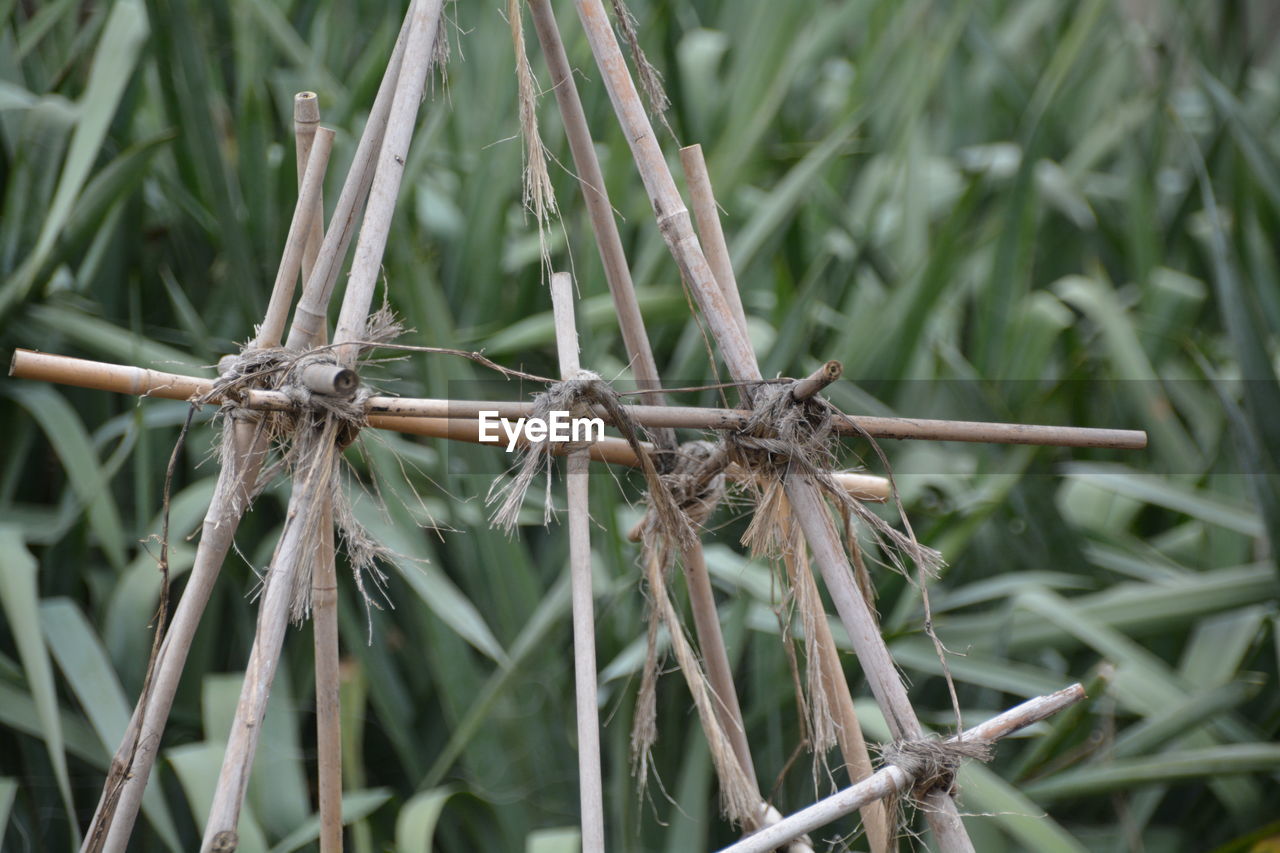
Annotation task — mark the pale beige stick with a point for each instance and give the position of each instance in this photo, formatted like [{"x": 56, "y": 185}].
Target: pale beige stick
[
  {"x": 616, "y": 270},
  {"x": 676, "y": 227},
  {"x": 309, "y": 316},
  {"x": 86, "y": 373},
  {"x": 326, "y": 379},
  {"x": 634, "y": 336},
  {"x": 813, "y": 383},
  {"x": 295, "y": 550},
  {"x": 707, "y": 215},
  {"x": 590, "y": 780},
  {"x": 668, "y": 206},
  {"x": 306, "y": 118},
  {"x": 892, "y": 779},
  {"x": 367, "y": 264}
]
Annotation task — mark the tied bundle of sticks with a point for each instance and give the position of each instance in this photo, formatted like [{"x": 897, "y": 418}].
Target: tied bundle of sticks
[{"x": 330, "y": 410}]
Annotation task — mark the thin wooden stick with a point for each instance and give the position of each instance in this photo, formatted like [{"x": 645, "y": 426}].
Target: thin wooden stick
[
  {"x": 893, "y": 779},
  {"x": 309, "y": 316},
  {"x": 813, "y": 383},
  {"x": 306, "y": 118},
  {"x": 304, "y": 218},
  {"x": 616, "y": 270},
  {"x": 367, "y": 264},
  {"x": 326, "y": 379},
  {"x": 590, "y": 780},
  {"x": 85, "y": 373},
  {"x": 707, "y": 215}
]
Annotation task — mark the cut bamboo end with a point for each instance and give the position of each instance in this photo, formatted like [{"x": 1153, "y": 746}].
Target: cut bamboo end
[
  {"x": 331, "y": 379},
  {"x": 813, "y": 383},
  {"x": 306, "y": 109}
]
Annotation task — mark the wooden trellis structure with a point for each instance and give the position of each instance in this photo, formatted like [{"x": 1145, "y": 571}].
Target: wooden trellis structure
[{"x": 298, "y": 390}]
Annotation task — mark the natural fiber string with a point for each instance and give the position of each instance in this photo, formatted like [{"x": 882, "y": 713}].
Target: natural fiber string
[
  {"x": 539, "y": 197},
  {"x": 650, "y": 77}
]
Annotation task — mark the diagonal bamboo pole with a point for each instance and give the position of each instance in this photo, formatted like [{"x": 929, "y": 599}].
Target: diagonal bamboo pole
[
  {"x": 677, "y": 230},
  {"x": 590, "y": 779},
  {"x": 324, "y": 579},
  {"x": 293, "y": 552},
  {"x": 892, "y": 779}
]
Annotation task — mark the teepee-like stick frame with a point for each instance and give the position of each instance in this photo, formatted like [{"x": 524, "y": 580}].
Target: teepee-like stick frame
[{"x": 306, "y": 544}]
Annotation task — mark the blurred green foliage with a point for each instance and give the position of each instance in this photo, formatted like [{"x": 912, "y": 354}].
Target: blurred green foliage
[{"x": 1022, "y": 210}]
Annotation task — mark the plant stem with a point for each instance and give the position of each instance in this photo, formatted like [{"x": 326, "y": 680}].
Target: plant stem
[{"x": 590, "y": 780}]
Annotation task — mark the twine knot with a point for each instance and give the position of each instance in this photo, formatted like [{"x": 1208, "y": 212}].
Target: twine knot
[{"x": 933, "y": 763}]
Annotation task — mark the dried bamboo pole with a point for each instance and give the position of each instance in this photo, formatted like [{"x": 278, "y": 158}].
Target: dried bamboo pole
[
  {"x": 590, "y": 779},
  {"x": 124, "y": 379},
  {"x": 309, "y": 315},
  {"x": 616, "y": 270},
  {"x": 137, "y": 380},
  {"x": 367, "y": 263},
  {"x": 676, "y": 227},
  {"x": 636, "y": 340},
  {"x": 707, "y": 215},
  {"x": 307, "y": 215},
  {"x": 893, "y": 779},
  {"x": 324, "y": 578}
]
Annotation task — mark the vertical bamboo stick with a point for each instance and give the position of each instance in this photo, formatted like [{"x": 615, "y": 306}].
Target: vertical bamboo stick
[
  {"x": 676, "y": 227},
  {"x": 324, "y": 579},
  {"x": 591, "y": 793},
  {"x": 386, "y": 178}
]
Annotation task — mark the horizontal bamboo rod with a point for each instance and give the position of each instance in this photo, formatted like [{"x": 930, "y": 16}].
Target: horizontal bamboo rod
[
  {"x": 124, "y": 379},
  {"x": 892, "y": 779}
]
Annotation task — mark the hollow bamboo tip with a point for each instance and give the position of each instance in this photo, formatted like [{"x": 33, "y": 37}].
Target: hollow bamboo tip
[
  {"x": 832, "y": 370},
  {"x": 13, "y": 360},
  {"x": 306, "y": 108}
]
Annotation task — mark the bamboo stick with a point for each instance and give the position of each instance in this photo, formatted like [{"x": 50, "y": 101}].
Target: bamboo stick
[
  {"x": 324, "y": 578},
  {"x": 668, "y": 207},
  {"x": 636, "y": 340},
  {"x": 367, "y": 264},
  {"x": 893, "y": 779},
  {"x": 707, "y": 215},
  {"x": 813, "y": 383},
  {"x": 85, "y": 373},
  {"x": 304, "y": 218},
  {"x": 590, "y": 779},
  {"x": 309, "y": 316},
  {"x": 616, "y": 270},
  {"x": 306, "y": 118}
]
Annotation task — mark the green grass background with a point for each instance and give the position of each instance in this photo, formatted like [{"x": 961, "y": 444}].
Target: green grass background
[{"x": 1030, "y": 210}]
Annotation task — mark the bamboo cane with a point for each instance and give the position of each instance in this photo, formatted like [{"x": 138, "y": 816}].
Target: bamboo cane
[
  {"x": 324, "y": 579},
  {"x": 707, "y": 215},
  {"x": 85, "y": 373},
  {"x": 676, "y": 227},
  {"x": 367, "y": 263},
  {"x": 590, "y": 779},
  {"x": 893, "y": 779}
]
